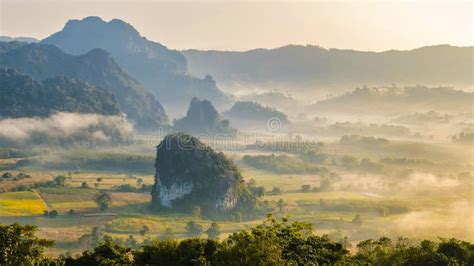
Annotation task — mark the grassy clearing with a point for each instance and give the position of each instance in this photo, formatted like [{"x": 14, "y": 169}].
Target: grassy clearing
[
  {"x": 285, "y": 182},
  {"x": 21, "y": 204}
]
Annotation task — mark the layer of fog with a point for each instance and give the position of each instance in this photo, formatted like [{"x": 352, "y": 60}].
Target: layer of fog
[{"x": 65, "y": 128}]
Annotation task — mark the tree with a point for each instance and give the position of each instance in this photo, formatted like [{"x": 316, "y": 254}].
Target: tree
[
  {"x": 107, "y": 253},
  {"x": 196, "y": 211},
  {"x": 20, "y": 246},
  {"x": 168, "y": 234},
  {"x": 193, "y": 229},
  {"x": 252, "y": 183},
  {"x": 257, "y": 191},
  {"x": 139, "y": 182},
  {"x": 213, "y": 232},
  {"x": 53, "y": 214},
  {"x": 103, "y": 200},
  {"x": 7, "y": 175},
  {"x": 275, "y": 191},
  {"x": 281, "y": 205},
  {"x": 131, "y": 242},
  {"x": 60, "y": 180},
  {"x": 305, "y": 188},
  {"x": 279, "y": 243},
  {"x": 357, "y": 220},
  {"x": 145, "y": 229},
  {"x": 96, "y": 235},
  {"x": 84, "y": 185}
]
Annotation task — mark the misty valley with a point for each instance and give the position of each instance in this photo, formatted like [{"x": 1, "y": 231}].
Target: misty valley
[{"x": 120, "y": 150}]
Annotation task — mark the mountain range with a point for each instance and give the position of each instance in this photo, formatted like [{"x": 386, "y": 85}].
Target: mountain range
[
  {"x": 161, "y": 70},
  {"x": 396, "y": 100},
  {"x": 311, "y": 67},
  {"x": 96, "y": 67}
]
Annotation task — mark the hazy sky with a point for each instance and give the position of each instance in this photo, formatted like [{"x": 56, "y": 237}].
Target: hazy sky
[{"x": 225, "y": 25}]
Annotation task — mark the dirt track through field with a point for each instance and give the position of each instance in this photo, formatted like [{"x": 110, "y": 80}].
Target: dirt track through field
[{"x": 48, "y": 207}]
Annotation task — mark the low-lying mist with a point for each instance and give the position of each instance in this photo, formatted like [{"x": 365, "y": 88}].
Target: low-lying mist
[{"x": 65, "y": 129}]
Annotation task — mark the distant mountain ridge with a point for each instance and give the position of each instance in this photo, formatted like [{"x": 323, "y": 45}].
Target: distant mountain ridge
[
  {"x": 22, "y": 96},
  {"x": 247, "y": 113},
  {"x": 96, "y": 67},
  {"x": 161, "y": 70},
  {"x": 18, "y": 39},
  {"x": 312, "y": 66},
  {"x": 396, "y": 100}
]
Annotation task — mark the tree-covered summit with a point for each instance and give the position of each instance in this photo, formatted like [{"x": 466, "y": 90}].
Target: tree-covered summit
[{"x": 189, "y": 173}]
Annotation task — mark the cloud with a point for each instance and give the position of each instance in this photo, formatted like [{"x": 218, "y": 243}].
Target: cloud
[{"x": 65, "y": 128}]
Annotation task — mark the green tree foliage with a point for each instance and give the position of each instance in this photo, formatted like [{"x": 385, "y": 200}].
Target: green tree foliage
[
  {"x": 7, "y": 175},
  {"x": 192, "y": 251},
  {"x": 145, "y": 229},
  {"x": 274, "y": 242},
  {"x": 53, "y": 214},
  {"x": 305, "y": 188},
  {"x": 22, "y": 96},
  {"x": 279, "y": 243},
  {"x": 60, "y": 180},
  {"x": 213, "y": 232},
  {"x": 193, "y": 229},
  {"x": 275, "y": 191},
  {"x": 168, "y": 234},
  {"x": 20, "y": 246},
  {"x": 384, "y": 252},
  {"x": 108, "y": 253},
  {"x": 131, "y": 242},
  {"x": 281, "y": 205},
  {"x": 103, "y": 200}
]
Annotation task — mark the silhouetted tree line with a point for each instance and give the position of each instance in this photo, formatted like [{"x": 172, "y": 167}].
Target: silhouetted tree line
[{"x": 271, "y": 243}]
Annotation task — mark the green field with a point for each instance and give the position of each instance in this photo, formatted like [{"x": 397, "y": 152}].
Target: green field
[{"x": 388, "y": 205}]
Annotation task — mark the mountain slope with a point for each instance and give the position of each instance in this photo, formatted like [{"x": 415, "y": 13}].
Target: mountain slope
[
  {"x": 202, "y": 117},
  {"x": 395, "y": 100},
  {"x": 306, "y": 67},
  {"x": 161, "y": 70},
  {"x": 96, "y": 67},
  {"x": 8, "y": 46},
  {"x": 22, "y": 96},
  {"x": 248, "y": 113},
  {"x": 17, "y": 39}
]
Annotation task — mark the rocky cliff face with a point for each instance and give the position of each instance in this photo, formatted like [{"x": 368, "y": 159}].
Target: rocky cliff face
[{"x": 189, "y": 173}]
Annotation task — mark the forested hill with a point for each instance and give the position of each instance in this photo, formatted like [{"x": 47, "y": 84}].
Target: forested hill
[
  {"x": 309, "y": 66},
  {"x": 248, "y": 112},
  {"x": 22, "y": 96},
  {"x": 161, "y": 70},
  {"x": 96, "y": 67},
  {"x": 393, "y": 100}
]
